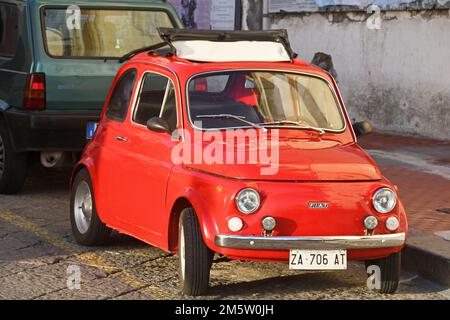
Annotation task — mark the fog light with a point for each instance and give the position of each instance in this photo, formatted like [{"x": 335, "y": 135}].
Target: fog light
[
  {"x": 392, "y": 223},
  {"x": 269, "y": 223},
  {"x": 370, "y": 222},
  {"x": 235, "y": 224}
]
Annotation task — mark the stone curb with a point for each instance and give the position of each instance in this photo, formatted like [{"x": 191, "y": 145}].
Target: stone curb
[{"x": 428, "y": 256}]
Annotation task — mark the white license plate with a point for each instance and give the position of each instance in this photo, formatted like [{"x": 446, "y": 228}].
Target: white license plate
[{"x": 318, "y": 259}]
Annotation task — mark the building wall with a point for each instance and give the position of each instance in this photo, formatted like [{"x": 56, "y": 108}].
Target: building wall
[{"x": 398, "y": 76}]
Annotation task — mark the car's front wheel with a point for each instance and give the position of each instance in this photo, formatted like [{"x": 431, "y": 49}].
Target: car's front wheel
[
  {"x": 195, "y": 257},
  {"x": 87, "y": 227},
  {"x": 387, "y": 275},
  {"x": 13, "y": 165}
]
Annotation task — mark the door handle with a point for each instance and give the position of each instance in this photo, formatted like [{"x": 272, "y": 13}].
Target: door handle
[{"x": 123, "y": 139}]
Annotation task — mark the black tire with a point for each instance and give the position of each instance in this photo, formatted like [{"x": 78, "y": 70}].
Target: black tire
[
  {"x": 13, "y": 165},
  {"x": 198, "y": 257},
  {"x": 390, "y": 272},
  {"x": 97, "y": 233}
]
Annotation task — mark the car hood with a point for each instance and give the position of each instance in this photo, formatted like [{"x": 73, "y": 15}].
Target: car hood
[{"x": 298, "y": 160}]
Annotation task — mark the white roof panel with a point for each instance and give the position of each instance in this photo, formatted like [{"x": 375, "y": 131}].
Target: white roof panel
[{"x": 228, "y": 51}]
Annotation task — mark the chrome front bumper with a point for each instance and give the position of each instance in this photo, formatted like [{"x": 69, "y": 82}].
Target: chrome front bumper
[{"x": 288, "y": 243}]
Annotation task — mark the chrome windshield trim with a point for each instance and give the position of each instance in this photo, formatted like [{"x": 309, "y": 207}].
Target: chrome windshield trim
[{"x": 321, "y": 242}]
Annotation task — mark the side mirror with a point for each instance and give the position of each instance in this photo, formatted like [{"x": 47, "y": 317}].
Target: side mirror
[
  {"x": 362, "y": 128},
  {"x": 158, "y": 125}
]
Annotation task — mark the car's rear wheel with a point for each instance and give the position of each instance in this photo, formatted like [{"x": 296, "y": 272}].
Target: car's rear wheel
[
  {"x": 87, "y": 227},
  {"x": 195, "y": 257},
  {"x": 13, "y": 165},
  {"x": 389, "y": 268}
]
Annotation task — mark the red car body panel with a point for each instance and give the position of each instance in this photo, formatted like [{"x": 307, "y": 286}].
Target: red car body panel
[
  {"x": 327, "y": 160},
  {"x": 139, "y": 190}
]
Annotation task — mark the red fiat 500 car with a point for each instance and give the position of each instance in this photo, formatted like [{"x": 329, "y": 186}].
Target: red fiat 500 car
[{"x": 224, "y": 143}]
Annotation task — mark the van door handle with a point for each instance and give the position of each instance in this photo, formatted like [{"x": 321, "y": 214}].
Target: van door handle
[{"x": 123, "y": 139}]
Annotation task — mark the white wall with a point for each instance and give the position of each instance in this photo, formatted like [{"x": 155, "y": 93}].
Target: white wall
[{"x": 398, "y": 77}]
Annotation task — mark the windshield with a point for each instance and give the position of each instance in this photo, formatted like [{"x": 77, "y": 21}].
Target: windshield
[
  {"x": 264, "y": 98},
  {"x": 101, "y": 33}
]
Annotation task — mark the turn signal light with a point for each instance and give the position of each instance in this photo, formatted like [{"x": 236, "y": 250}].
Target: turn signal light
[
  {"x": 392, "y": 223},
  {"x": 370, "y": 222},
  {"x": 235, "y": 224},
  {"x": 34, "y": 98},
  {"x": 269, "y": 223}
]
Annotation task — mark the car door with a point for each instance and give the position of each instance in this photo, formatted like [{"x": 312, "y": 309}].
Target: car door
[
  {"x": 147, "y": 164},
  {"x": 110, "y": 139}
]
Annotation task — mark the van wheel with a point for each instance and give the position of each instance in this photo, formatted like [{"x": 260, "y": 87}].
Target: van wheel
[
  {"x": 13, "y": 165},
  {"x": 195, "y": 257},
  {"x": 389, "y": 272},
  {"x": 87, "y": 228}
]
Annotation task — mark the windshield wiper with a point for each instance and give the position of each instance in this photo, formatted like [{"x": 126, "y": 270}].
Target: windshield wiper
[
  {"x": 296, "y": 123},
  {"x": 151, "y": 48},
  {"x": 232, "y": 116}
]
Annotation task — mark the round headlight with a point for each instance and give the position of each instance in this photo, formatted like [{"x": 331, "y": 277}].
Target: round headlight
[
  {"x": 384, "y": 200},
  {"x": 247, "y": 201}
]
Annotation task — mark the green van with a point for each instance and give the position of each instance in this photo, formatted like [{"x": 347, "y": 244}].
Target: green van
[{"x": 58, "y": 59}]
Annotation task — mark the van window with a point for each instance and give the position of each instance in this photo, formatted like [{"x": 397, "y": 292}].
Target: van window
[
  {"x": 120, "y": 99},
  {"x": 101, "y": 33},
  {"x": 9, "y": 29},
  {"x": 157, "y": 99}
]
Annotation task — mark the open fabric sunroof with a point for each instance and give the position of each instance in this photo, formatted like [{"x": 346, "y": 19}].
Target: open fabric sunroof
[{"x": 227, "y": 46}]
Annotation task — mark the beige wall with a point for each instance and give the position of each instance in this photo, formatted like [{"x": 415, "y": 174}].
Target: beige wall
[{"x": 398, "y": 77}]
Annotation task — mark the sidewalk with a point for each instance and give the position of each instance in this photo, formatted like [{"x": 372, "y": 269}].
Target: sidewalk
[{"x": 421, "y": 170}]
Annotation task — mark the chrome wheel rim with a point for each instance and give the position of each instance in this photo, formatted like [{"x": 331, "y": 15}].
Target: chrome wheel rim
[
  {"x": 83, "y": 207},
  {"x": 2, "y": 157},
  {"x": 182, "y": 253}
]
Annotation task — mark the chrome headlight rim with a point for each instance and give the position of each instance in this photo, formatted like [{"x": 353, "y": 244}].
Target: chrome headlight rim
[
  {"x": 376, "y": 207},
  {"x": 238, "y": 198}
]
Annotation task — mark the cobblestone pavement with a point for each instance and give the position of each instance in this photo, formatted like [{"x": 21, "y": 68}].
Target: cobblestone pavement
[{"x": 36, "y": 249}]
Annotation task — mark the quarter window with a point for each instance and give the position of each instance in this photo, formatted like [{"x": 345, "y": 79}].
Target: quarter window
[
  {"x": 121, "y": 96},
  {"x": 9, "y": 30},
  {"x": 157, "y": 99}
]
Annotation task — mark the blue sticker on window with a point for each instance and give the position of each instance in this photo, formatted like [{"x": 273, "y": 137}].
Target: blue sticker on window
[{"x": 91, "y": 127}]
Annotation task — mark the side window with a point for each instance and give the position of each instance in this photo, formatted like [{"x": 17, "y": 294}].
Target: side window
[
  {"x": 9, "y": 29},
  {"x": 157, "y": 99},
  {"x": 121, "y": 96}
]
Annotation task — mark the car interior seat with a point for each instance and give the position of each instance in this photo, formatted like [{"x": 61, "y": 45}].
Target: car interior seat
[{"x": 55, "y": 43}]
